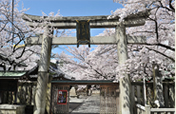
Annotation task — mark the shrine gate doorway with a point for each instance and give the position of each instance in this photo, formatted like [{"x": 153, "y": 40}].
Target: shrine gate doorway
[{"x": 109, "y": 96}]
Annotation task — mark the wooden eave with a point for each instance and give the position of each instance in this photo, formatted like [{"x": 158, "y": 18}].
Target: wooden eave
[
  {"x": 84, "y": 82},
  {"x": 12, "y": 74}
]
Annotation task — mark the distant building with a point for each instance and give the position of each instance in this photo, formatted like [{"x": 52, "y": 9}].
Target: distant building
[{"x": 10, "y": 81}]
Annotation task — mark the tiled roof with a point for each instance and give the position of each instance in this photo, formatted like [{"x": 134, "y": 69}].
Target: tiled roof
[{"x": 55, "y": 71}]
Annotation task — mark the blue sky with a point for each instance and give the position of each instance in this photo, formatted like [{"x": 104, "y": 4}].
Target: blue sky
[{"x": 71, "y": 8}]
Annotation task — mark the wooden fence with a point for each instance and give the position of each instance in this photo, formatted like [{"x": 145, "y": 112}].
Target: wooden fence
[
  {"x": 147, "y": 110},
  {"x": 139, "y": 99},
  {"x": 109, "y": 99},
  {"x": 24, "y": 95}
]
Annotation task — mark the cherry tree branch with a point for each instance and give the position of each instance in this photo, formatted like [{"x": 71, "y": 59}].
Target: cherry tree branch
[
  {"x": 162, "y": 54},
  {"x": 162, "y": 45},
  {"x": 170, "y": 5}
]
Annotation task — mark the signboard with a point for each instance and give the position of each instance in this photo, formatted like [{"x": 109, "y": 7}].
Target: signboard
[
  {"x": 83, "y": 32},
  {"x": 62, "y": 97}
]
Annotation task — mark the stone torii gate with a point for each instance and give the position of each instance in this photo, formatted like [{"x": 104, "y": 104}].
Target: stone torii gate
[{"x": 120, "y": 38}]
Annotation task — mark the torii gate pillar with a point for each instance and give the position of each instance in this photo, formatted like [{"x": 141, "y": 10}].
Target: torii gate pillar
[
  {"x": 125, "y": 83},
  {"x": 43, "y": 73}
]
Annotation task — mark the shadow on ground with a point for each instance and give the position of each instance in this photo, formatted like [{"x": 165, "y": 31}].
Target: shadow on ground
[
  {"x": 73, "y": 106},
  {"x": 84, "y": 113}
]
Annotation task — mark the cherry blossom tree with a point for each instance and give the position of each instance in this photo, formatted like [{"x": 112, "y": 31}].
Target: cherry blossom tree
[
  {"x": 14, "y": 54},
  {"x": 160, "y": 32},
  {"x": 13, "y": 32},
  {"x": 89, "y": 64},
  {"x": 102, "y": 62}
]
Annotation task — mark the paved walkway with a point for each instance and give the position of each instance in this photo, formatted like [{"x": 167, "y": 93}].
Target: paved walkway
[{"x": 91, "y": 105}]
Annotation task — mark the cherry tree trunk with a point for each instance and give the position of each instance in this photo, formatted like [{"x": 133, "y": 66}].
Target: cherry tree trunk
[
  {"x": 125, "y": 83},
  {"x": 43, "y": 74}
]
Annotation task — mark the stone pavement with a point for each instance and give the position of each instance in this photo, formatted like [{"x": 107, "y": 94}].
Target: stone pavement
[{"x": 91, "y": 105}]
